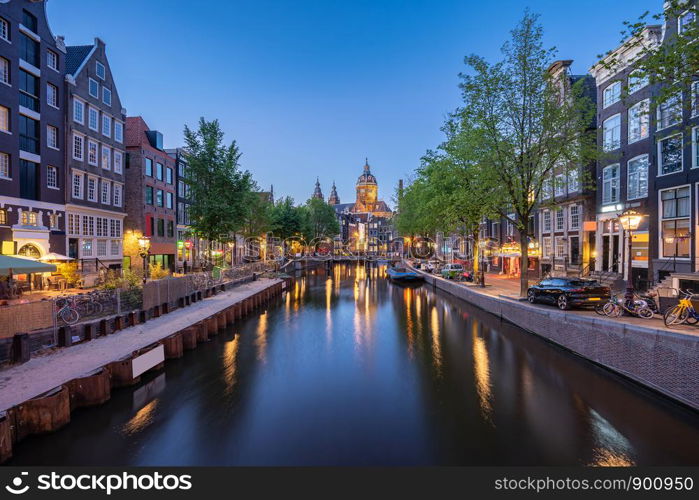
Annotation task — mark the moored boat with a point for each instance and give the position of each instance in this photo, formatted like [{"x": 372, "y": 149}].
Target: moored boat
[{"x": 402, "y": 274}]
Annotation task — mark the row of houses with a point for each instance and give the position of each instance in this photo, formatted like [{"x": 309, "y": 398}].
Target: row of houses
[
  {"x": 650, "y": 163},
  {"x": 78, "y": 176}
]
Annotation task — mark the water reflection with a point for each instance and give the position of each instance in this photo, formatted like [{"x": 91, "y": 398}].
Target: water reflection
[{"x": 349, "y": 369}]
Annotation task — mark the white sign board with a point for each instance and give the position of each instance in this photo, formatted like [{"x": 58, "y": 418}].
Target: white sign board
[{"x": 148, "y": 360}]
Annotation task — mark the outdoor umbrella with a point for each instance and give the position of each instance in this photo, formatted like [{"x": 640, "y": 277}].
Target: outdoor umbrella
[
  {"x": 55, "y": 257},
  {"x": 10, "y": 264}
]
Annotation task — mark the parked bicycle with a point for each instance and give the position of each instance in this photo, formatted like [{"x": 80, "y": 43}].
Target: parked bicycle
[
  {"x": 683, "y": 312},
  {"x": 66, "y": 310},
  {"x": 618, "y": 305}
]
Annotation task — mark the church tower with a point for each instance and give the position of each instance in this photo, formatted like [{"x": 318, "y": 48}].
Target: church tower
[
  {"x": 317, "y": 193},
  {"x": 333, "y": 199},
  {"x": 367, "y": 190}
]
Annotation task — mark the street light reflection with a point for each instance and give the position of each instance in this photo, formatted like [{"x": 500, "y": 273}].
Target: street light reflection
[{"x": 481, "y": 371}]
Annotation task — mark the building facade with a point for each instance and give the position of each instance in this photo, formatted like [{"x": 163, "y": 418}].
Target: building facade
[
  {"x": 95, "y": 161},
  {"x": 32, "y": 139},
  {"x": 150, "y": 196}
]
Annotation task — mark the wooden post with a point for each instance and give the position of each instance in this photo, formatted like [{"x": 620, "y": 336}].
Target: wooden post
[
  {"x": 211, "y": 325},
  {"x": 90, "y": 390},
  {"x": 5, "y": 437},
  {"x": 21, "y": 348},
  {"x": 45, "y": 413},
  {"x": 202, "y": 332},
  {"x": 174, "y": 346},
  {"x": 105, "y": 327},
  {"x": 189, "y": 338}
]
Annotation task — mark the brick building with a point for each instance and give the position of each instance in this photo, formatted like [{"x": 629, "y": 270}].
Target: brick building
[
  {"x": 32, "y": 147},
  {"x": 95, "y": 160},
  {"x": 150, "y": 196}
]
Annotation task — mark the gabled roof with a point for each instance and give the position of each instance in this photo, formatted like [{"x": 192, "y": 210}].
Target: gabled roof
[{"x": 75, "y": 55}]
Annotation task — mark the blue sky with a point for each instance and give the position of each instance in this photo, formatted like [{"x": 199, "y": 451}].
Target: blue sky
[{"x": 311, "y": 88}]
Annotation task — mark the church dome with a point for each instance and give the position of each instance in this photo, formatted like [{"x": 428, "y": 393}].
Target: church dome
[{"x": 367, "y": 177}]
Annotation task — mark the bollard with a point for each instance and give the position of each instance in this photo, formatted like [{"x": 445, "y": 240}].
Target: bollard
[
  {"x": 118, "y": 323},
  {"x": 90, "y": 331},
  {"x": 165, "y": 308},
  {"x": 131, "y": 318},
  {"x": 105, "y": 327},
  {"x": 21, "y": 349},
  {"x": 65, "y": 336},
  {"x": 142, "y": 316},
  {"x": 181, "y": 302},
  {"x": 156, "y": 312},
  {"x": 90, "y": 390},
  {"x": 45, "y": 413}
]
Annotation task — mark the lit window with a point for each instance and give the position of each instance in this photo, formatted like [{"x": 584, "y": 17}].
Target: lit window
[
  {"x": 52, "y": 177},
  {"x": 3, "y": 216},
  {"x": 612, "y": 133},
  {"x": 29, "y": 218},
  {"x": 612, "y": 94},
  {"x": 87, "y": 248},
  {"x": 637, "y": 178},
  {"x": 4, "y": 119}
]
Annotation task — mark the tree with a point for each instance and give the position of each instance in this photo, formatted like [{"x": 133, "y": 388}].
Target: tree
[
  {"x": 219, "y": 188},
  {"x": 258, "y": 214},
  {"x": 286, "y": 219},
  {"x": 321, "y": 221},
  {"x": 524, "y": 128}
]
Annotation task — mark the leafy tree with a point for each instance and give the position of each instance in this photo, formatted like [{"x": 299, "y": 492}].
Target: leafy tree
[
  {"x": 287, "y": 220},
  {"x": 321, "y": 221},
  {"x": 523, "y": 127},
  {"x": 258, "y": 214},
  {"x": 219, "y": 188}
]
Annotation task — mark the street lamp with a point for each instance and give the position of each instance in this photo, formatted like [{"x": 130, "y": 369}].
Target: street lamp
[
  {"x": 630, "y": 220},
  {"x": 481, "y": 266},
  {"x": 143, "y": 251}
]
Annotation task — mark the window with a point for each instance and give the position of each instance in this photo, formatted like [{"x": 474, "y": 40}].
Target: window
[
  {"x": 574, "y": 213},
  {"x": 118, "y": 131},
  {"x": 117, "y": 195},
  {"x": 29, "y": 50},
  {"x": 637, "y": 80},
  {"x": 4, "y": 70},
  {"x": 118, "y": 162},
  {"x": 101, "y": 248},
  {"x": 161, "y": 227},
  {"x": 92, "y": 189},
  {"x": 87, "y": 248},
  {"x": 99, "y": 69},
  {"x": 560, "y": 246},
  {"x": 52, "y": 177},
  {"x": 612, "y": 94},
  {"x": 612, "y": 133},
  {"x": 560, "y": 219},
  {"x": 115, "y": 228},
  {"x": 159, "y": 198},
  {"x": 560, "y": 185},
  {"x": 637, "y": 178},
  {"x": 52, "y": 95},
  {"x": 168, "y": 175},
  {"x": 77, "y": 185},
  {"x": 92, "y": 153},
  {"x": 115, "y": 247},
  {"x": 170, "y": 229},
  {"x": 106, "y": 158},
  {"x": 28, "y": 91},
  {"x": 102, "y": 226},
  {"x": 29, "y": 20},
  {"x": 78, "y": 146},
  {"x": 4, "y": 119},
  {"x": 547, "y": 250},
  {"x": 695, "y": 99},
  {"x": 639, "y": 121},
  {"x": 106, "y": 200},
  {"x": 28, "y": 134},
  {"x": 52, "y": 137},
  {"x": 675, "y": 222},
  {"x": 573, "y": 180},
  {"x": 3, "y": 216},
  {"x": 149, "y": 195},
  {"x": 73, "y": 224},
  {"x": 670, "y": 155},
  {"x": 610, "y": 184},
  {"x": 159, "y": 171},
  {"x": 93, "y": 88},
  {"x": 670, "y": 111},
  {"x": 169, "y": 200},
  {"x": 4, "y": 30},
  {"x": 149, "y": 167},
  {"x": 107, "y": 125},
  {"x": 106, "y": 96},
  {"x": 78, "y": 111},
  {"x": 180, "y": 189},
  {"x": 4, "y": 166},
  {"x": 695, "y": 147},
  {"x": 52, "y": 59},
  {"x": 685, "y": 21},
  {"x": 93, "y": 120},
  {"x": 29, "y": 218},
  {"x": 88, "y": 225}
]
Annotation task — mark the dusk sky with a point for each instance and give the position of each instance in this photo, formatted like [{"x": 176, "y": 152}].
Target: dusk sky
[{"x": 311, "y": 88}]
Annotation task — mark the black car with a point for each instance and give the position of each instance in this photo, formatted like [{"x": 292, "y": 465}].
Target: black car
[{"x": 568, "y": 292}]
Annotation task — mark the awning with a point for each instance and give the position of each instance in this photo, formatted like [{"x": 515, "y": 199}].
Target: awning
[
  {"x": 53, "y": 256},
  {"x": 22, "y": 265}
]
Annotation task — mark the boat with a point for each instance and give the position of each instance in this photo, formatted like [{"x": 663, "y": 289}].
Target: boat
[{"x": 401, "y": 274}]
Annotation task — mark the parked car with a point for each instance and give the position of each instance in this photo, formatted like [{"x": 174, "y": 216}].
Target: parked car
[
  {"x": 568, "y": 292},
  {"x": 451, "y": 271}
]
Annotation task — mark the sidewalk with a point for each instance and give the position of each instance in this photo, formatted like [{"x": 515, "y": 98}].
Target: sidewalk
[
  {"x": 497, "y": 285},
  {"x": 42, "y": 373}
]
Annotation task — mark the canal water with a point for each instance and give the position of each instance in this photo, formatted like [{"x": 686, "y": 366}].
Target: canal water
[{"x": 349, "y": 369}]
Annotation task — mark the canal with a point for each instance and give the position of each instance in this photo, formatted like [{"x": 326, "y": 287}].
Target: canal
[{"x": 349, "y": 369}]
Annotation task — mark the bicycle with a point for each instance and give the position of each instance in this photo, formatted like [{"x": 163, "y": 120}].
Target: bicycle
[
  {"x": 66, "y": 310},
  {"x": 616, "y": 306},
  {"x": 683, "y": 312}
]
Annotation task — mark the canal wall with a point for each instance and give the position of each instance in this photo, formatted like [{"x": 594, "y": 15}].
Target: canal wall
[
  {"x": 665, "y": 361},
  {"x": 39, "y": 395}
]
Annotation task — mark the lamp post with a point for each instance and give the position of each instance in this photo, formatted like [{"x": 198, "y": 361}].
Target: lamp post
[
  {"x": 143, "y": 251},
  {"x": 630, "y": 220},
  {"x": 481, "y": 266}
]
